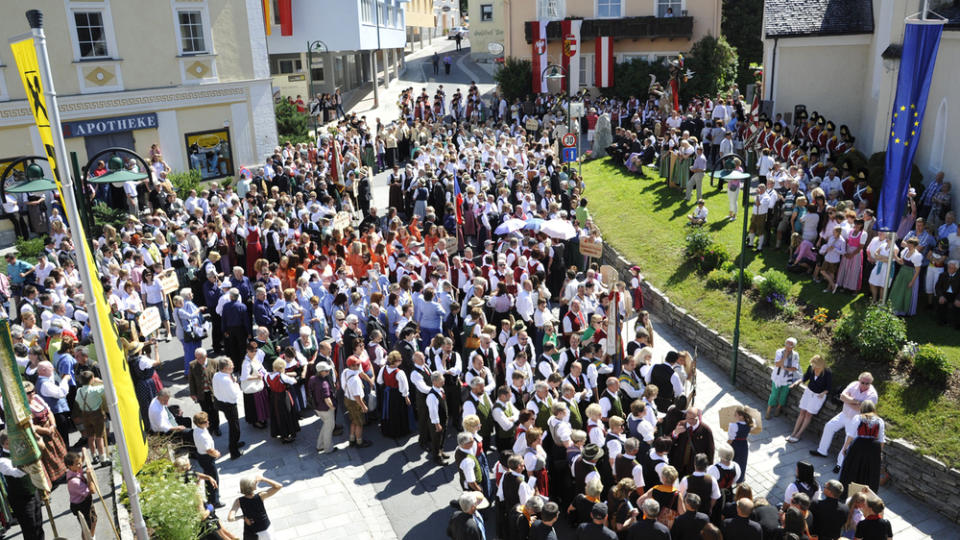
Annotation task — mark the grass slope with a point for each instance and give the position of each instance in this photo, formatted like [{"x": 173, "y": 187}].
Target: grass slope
[{"x": 644, "y": 220}]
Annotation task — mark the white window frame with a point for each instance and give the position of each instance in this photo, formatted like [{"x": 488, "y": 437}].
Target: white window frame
[
  {"x": 676, "y": 13},
  {"x": 179, "y": 6},
  {"x": 72, "y": 8},
  {"x": 545, "y": 13},
  {"x": 596, "y": 9},
  {"x": 587, "y": 71},
  {"x": 366, "y": 11}
]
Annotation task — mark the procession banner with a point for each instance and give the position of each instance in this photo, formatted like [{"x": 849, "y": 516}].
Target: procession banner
[
  {"x": 603, "y": 62},
  {"x": 23, "y": 444},
  {"x": 921, "y": 39},
  {"x": 570, "y": 53},
  {"x": 539, "y": 57},
  {"x": 25, "y": 55}
]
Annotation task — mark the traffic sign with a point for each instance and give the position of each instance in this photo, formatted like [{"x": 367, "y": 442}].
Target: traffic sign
[
  {"x": 569, "y": 154},
  {"x": 568, "y": 140}
]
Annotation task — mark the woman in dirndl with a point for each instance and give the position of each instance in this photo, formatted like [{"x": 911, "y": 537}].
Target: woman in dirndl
[
  {"x": 256, "y": 397},
  {"x": 52, "y": 448},
  {"x": 863, "y": 448},
  {"x": 283, "y": 419},
  {"x": 143, "y": 371},
  {"x": 737, "y": 433},
  {"x": 395, "y": 405}
]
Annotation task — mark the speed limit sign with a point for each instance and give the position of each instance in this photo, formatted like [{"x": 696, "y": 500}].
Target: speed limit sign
[{"x": 569, "y": 140}]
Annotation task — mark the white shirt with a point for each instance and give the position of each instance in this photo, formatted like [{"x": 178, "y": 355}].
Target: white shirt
[
  {"x": 203, "y": 441},
  {"x": 525, "y": 489},
  {"x": 433, "y": 406},
  {"x": 853, "y": 390},
  {"x": 225, "y": 389},
  {"x": 402, "y": 384},
  {"x": 160, "y": 418},
  {"x": 466, "y": 465},
  {"x": 352, "y": 384},
  {"x": 470, "y": 408},
  {"x": 714, "y": 470},
  {"x": 7, "y": 468}
]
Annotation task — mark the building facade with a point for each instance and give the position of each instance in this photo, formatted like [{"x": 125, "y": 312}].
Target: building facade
[
  {"x": 350, "y": 31},
  {"x": 487, "y": 25},
  {"x": 649, "y": 29},
  {"x": 841, "y": 59},
  {"x": 188, "y": 75},
  {"x": 420, "y": 21},
  {"x": 447, "y": 15}
]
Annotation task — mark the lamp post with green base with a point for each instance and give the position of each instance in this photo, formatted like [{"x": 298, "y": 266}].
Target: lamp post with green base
[{"x": 727, "y": 173}]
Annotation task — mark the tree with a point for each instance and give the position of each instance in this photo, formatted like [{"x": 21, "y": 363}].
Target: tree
[
  {"x": 633, "y": 78},
  {"x": 292, "y": 126},
  {"x": 515, "y": 78},
  {"x": 742, "y": 26},
  {"x": 714, "y": 65}
]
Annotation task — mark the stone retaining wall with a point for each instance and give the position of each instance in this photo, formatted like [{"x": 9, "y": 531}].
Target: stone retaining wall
[{"x": 922, "y": 477}]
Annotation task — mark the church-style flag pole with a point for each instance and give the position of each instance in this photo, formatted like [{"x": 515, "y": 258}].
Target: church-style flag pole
[
  {"x": 603, "y": 62},
  {"x": 921, "y": 40},
  {"x": 539, "y": 56}
]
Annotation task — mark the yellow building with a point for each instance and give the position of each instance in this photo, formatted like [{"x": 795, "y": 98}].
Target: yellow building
[
  {"x": 177, "y": 73},
  {"x": 651, "y": 29},
  {"x": 419, "y": 21}
]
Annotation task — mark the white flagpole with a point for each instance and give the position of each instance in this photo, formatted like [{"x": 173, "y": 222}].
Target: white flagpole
[{"x": 35, "y": 19}]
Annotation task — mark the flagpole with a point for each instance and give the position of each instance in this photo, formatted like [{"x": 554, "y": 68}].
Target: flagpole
[{"x": 35, "y": 18}]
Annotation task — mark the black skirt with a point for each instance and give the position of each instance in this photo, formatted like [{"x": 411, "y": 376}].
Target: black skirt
[
  {"x": 283, "y": 423},
  {"x": 394, "y": 414},
  {"x": 862, "y": 464}
]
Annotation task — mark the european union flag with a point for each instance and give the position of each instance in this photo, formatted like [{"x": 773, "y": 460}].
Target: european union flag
[{"x": 920, "y": 43}]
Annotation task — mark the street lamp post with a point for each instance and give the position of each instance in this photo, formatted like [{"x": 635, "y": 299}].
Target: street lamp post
[
  {"x": 557, "y": 72},
  {"x": 318, "y": 46},
  {"x": 728, "y": 172}
]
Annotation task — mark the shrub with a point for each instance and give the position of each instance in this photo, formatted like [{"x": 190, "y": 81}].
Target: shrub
[
  {"x": 931, "y": 364},
  {"x": 104, "y": 214},
  {"x": 720, "y": 279},
  {"x": 788, "y": 310},
  {"x": 697, "y": 242},
  {"x": 703, "y": 251},
  {"x": 292, "y": 125},
  {"x": 715, "y": 256},
  {"x": 169, "y": 505},
  {"x": 183, "y": 182},
  {"x": 515, "y": 78},
  {"x": 775, "y": 284},
  {"x": 876, "y": 333},
  {"x": 29, "y": 250}
]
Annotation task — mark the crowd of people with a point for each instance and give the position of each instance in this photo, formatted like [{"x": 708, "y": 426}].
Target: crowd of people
[{"x": 463, "y": 312}]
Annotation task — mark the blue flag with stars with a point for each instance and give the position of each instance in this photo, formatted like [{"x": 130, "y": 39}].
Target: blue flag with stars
[{"x": 920, "y": 43}]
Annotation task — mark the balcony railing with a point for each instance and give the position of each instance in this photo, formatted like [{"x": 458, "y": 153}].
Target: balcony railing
[{"x": 624, "y": 27}]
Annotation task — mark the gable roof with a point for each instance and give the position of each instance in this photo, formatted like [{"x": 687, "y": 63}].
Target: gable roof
[{"x": 796, "y": 18}]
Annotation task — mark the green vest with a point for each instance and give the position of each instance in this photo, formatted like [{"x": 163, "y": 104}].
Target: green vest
[
  {"x": 543, "y": 413},
  {"x": 615, "y": 408},
  {"x": 477, "y": 472},
  {"x": 483, "y": 407},
  {"x": 576, "y": 421},
  {"x": 508, "y": 411}
]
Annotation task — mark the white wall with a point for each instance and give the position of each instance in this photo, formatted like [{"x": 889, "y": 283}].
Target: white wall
[
  {"x": 336, "y": 23},
  {"x": 826, "y": 77}
]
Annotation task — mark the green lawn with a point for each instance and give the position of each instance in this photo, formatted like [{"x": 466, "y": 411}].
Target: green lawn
[{"x": 644, "y": 220}]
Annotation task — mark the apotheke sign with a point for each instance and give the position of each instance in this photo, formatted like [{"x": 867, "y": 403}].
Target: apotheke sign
[{"x": 104, "y": 126}]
